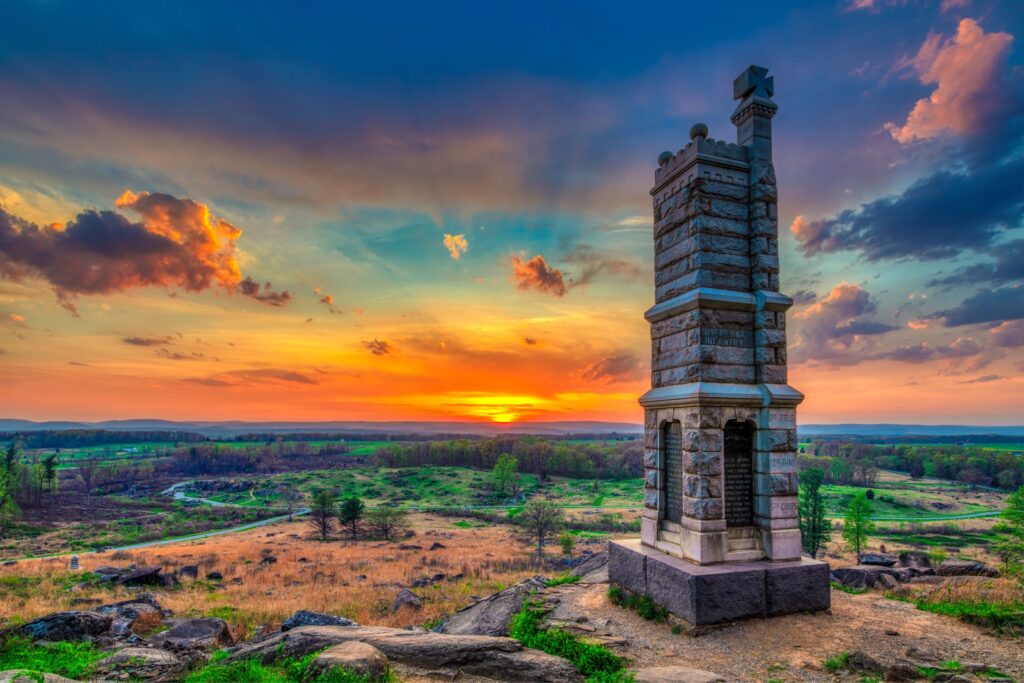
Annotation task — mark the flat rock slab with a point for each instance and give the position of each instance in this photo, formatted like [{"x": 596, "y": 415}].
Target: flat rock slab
[
  {"x": 719, "y": 593},
  {"x": 491, "y": 616},
  {"x": 26, "y": 676},
  {"x": 676, "y": 674},
  {"x": 503, "y": 659},
  {"x": 354, "y": 656},
  {"x": 142, "y": 663}
]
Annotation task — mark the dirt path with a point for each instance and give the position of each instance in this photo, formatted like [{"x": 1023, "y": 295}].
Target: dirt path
[{"x": 791, "y": 648}]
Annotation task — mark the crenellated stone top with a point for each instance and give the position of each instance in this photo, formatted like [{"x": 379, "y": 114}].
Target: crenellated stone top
[{"x": 728, "y": 154}]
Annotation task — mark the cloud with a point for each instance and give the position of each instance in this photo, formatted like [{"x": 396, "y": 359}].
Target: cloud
[
  {"x": 962, "y": 347},
  {"x": 178, "y": 355},
  {"x": 327, "y": 300},
  {"x": 538, "y": 274},
  {"x": 178, "y": 243},
  {"x": 986, "y": 306},
  {"x": 148, "y": 341},
  {"x": 235, "y": 378},
  {"x": 593, "y": 263},
  {"x": 529, "y": 341},
  {"x": 1009, "y": 334},
  {"x": 834, "y": 330},
  {"x": 983, "y": 379},
  {"x": 251, "y": 288},
  {"x": 622, "y": 367},
  {"x": 937, "y": 217},
  {"x": 378, "y": 347},
  {"x": 456, "y": 245},
  {"x": 967, "y": 70},
  {"x": 803, "y": 297},
  {"x": 1008, "y": 266}
]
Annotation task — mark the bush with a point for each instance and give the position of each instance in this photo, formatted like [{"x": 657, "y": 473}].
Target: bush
[
  {"x": 641, "y": 604},
  {"x": 597, "y": 663}
]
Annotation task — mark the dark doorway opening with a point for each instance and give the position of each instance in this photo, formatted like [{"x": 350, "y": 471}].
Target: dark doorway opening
[
  {"x": 672, "y": 457},
  {"x": 739, "y": 474}
]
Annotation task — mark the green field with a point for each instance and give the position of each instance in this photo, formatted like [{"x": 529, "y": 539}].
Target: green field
[{"x": 904, "y": 500}]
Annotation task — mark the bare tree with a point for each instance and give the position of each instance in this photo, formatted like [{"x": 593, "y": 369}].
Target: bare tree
[
  {"x": 540, "y": 519},
  {"x": 88, "y": 472},
  {"x": 321, "y": 514},
  {"x": 387, "y": 521}
]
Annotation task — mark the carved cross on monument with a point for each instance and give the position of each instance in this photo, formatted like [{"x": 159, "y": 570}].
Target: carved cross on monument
[{"x": 754, "y": 81}]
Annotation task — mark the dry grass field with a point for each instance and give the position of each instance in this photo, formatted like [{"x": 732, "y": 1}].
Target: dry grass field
[{"x": 357, "y": 580}]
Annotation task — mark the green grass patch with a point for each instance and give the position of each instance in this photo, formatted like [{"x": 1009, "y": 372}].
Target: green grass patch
[
  {"x": 848, "y": 589},
  {"x": 641, "y": 604},
  {"x": 285, "y": 670},
  {"x": 562, "y": 580},
  {"x": 1005, "y": 618},
  {"x": 73, "y": 660},
  {"x": 597, "y": 663},
  {"x": 837, "y": 663}
]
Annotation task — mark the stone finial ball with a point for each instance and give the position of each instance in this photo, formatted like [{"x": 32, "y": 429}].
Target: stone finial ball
[
  {"x": 664, "y": 158},
  {"x": 698, "y": 130}
]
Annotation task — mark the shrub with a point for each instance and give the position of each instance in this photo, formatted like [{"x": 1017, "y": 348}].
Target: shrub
[
  {"x": 641, "y": 604},
  {"x": 837, "y": 662}
]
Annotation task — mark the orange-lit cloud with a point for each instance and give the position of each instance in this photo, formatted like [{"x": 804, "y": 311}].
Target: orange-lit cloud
[
  {"x": 538, "y": 274},
  {"x": 179, "y": 243},
  {"x": 966, "y": 71},
  {"x": 378, "y": 347},
  {"x": 456, "y": 245}
]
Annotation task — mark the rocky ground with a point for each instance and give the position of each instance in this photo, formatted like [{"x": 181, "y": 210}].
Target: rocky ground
[{"x": 886, "y": 639}]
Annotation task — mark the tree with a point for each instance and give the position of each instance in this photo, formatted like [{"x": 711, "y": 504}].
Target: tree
[
  {"x": 568, "y": 543},
  {"x": 857, "y": 524},
  {"x": 321, "y": 514},
  {"x": 1010, "y": 545},
  {"x": 815, "y": 528},
  {"x": 9, "y": 480},
  {"x": 88, "y": 469},
  {"x": 540, "y": 519},
  {"x": 387, "y": 521},
  {"x": 291, "y": 496},
  {"x": 506, "y": 475},
  {"x": 350, "y": 512}
]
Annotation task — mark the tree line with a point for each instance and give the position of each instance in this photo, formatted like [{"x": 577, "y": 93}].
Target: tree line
[
  {"x": 858, "y": 463},
  {"x": 534, "y": 455}
]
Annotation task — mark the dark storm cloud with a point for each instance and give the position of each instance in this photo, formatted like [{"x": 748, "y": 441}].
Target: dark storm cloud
[
  {"x": 986, "y": 306},
  {"x": 937, "y": 217},
  {"x": 1007, "y": 266}
]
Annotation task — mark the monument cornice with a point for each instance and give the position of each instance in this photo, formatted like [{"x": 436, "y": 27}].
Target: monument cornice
[
  {"x": 722, "y": 394},
  {"x": 722, "y": 299},
  {"x": 688, "y": 158}
]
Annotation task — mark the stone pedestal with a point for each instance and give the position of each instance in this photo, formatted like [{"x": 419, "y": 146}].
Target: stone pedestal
[{"x": 704, "y": 595}]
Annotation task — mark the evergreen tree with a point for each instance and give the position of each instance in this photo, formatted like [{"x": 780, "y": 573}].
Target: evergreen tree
[
  {"x": 815, "y": 527},
  {"x": 350, "y": 512},
  {"x": 1010, "y": 545},
  {"x": 857, "y": 524}
]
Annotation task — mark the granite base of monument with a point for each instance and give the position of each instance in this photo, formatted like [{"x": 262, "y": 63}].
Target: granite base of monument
[{"x": 703, "y": 595}]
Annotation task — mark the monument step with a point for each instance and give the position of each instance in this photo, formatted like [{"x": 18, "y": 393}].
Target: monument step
[
  {"x": 667, "y": 547},
  {"x": 744, "y": 555},
  {"x": 744, "y": 544},
  {"x": 670, "y": 536}
]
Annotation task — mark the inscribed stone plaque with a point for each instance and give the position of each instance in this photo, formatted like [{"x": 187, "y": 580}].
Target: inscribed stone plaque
[
  {"x": 725, "y": 336},
  {"x": 672, "y": 440},
  {"x": 739, "y": 475}
]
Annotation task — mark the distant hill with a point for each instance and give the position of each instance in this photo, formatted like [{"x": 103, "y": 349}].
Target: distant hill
[{"x": 227, "y": 429}]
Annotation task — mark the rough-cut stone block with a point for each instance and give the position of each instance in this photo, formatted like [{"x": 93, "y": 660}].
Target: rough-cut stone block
[
  {"x": 627, "y": 568},
  {"x": 707, "y": 462}
]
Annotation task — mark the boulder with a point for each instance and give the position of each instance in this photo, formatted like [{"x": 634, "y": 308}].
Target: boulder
[
  {"x": 887, "y": 581},
  {"x": 406, "y": 598},
  {"x": 593, "y": 569},
  {"x": 501, "y": 658},
  {"x": 491, "y": 616},
  {"x": 214, "y": 576},
  {"x": 269, "y": 559},
  {"x": 355, "y": 656},
  {"x": 901, "y": 672},
  {"x": 307, "y": 618},
  {"x": 189, "y": 571},
  {"x": 916, "y": 559},
  {"x": 965, "y": 568},
  {"x": 863, "y": 662},
  {"x": 876, "y": 559},
  {"x": 73, "y": 625},
  {"x": 867, "y": 576},
  {"x": 25, "y": 676},
  {"x": 141, "y": 663},
  {"x": 676, "y": 674},
  {"x": 143, "y": 576},
  {"x": 191, "y": 634},
  {"x": 437, "y": 545},
  {"x": 108, "y": 573}
]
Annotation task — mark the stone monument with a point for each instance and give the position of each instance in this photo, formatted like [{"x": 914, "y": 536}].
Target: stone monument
[{"x": 719, "y": 538}]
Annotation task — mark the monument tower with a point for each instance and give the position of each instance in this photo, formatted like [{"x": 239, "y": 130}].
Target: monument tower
[{"x": 720, "y": 505}]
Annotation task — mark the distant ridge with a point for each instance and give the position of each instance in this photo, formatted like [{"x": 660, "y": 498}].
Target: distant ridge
[
  {"x": 230, "y": 428},
  {"x": 561, "y": 428}
]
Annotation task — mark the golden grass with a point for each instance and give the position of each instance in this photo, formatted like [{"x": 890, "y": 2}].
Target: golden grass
[{"x": 253, "y": 594}]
